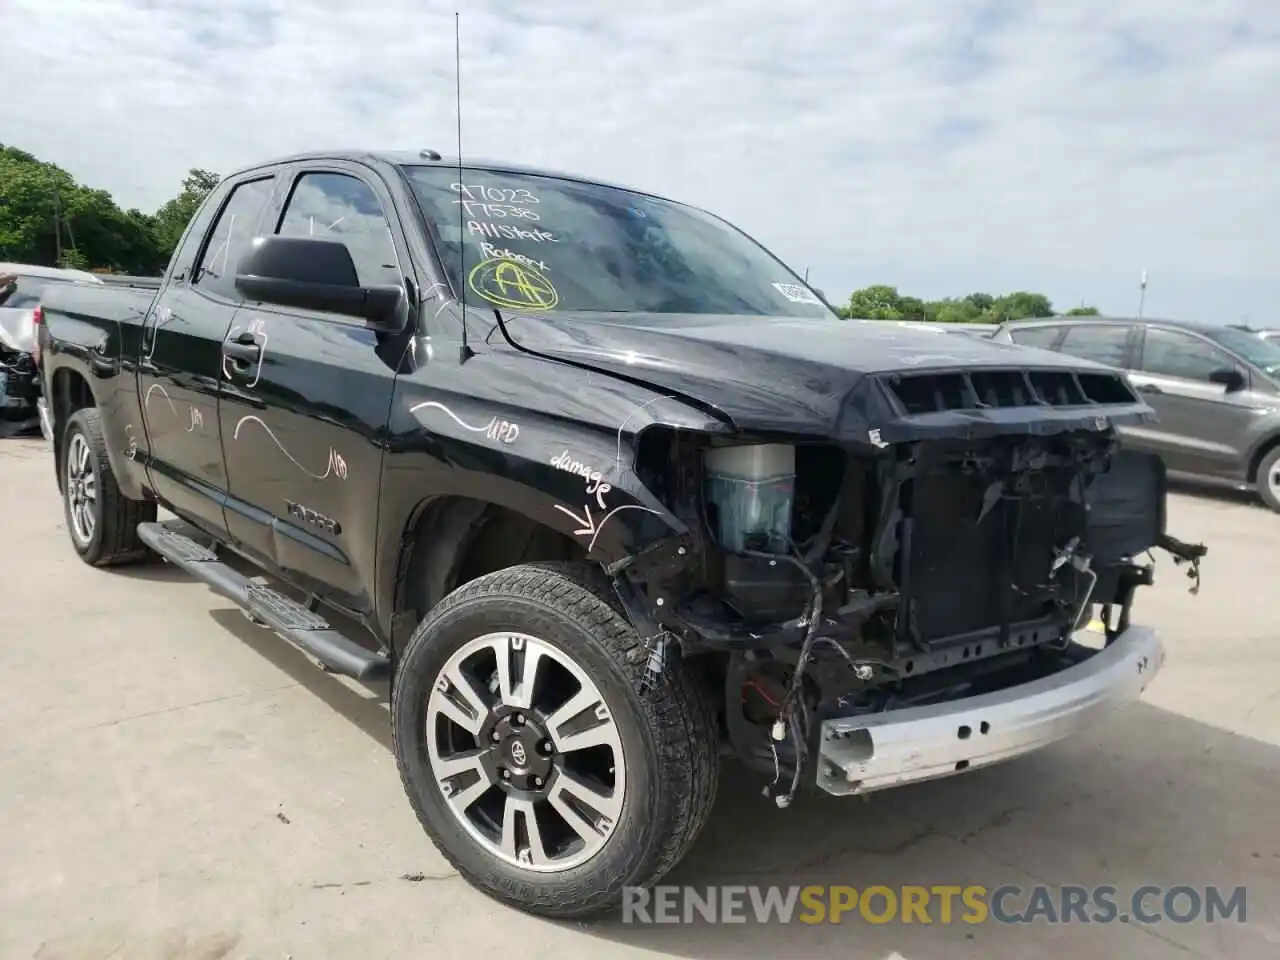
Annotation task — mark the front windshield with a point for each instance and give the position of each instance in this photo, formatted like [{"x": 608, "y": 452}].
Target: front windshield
[
  {"x": 1264, "y": 354},
  {"x": 541, "y": 243}
]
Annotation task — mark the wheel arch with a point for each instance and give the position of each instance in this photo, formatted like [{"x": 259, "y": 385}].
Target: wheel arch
[
  {"x": 1264, "y": 447},
  {"x": 451, "y": 539},
  {"x": 69, "y": 391}
]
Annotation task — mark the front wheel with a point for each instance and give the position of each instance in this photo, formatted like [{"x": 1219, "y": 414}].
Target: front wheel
[
  {"x": 102, "y": 521},
  {"x": 532, "y": 760},
  {"x": 1269, "y": 479}
]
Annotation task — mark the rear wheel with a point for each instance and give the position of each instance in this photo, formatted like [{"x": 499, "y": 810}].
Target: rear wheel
[
  {"x": 1269, "y": 479},
  {"x": 102, "y": 521},
  {"x": 530, "y": 757}
]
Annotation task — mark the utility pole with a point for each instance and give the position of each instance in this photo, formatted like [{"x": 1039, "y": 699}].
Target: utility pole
[
  {"x": 70, "y": 233},
  {"x": 1142, "y": 293},
  {"x": 57, "y": 223}
]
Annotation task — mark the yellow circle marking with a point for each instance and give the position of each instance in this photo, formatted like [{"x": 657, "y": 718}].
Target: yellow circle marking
[{"x": 509, "y": 283}]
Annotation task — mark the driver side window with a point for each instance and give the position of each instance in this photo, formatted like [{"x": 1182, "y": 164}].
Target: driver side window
[
  {"x": 1171, "y": 353},
  {"x": 337, "y": 206}
]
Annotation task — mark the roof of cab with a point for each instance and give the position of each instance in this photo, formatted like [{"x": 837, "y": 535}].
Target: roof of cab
[{"x": 428, "y": 158}]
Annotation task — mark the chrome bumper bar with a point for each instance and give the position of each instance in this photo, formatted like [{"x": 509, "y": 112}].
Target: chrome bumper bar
[{"x": 876, "y": 751}]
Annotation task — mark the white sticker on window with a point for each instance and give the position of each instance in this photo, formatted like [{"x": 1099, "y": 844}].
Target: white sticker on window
[{"x": 797, "y": 293}]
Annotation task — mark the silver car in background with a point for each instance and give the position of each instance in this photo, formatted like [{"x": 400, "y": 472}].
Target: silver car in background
[
  {"x": 1214, "y": 387},
  {"x": 21, "y": 289}
]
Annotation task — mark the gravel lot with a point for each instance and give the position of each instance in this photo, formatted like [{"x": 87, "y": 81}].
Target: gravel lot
[{"x": 177, "y": 783}]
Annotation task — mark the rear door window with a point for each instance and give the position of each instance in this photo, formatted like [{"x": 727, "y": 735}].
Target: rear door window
[
  {"x": 1101, "y": 343},
  {"x": 234, "y": 230},
  {"x": 1172, "y": 353},
  {"x": 1042, "y": 337}
]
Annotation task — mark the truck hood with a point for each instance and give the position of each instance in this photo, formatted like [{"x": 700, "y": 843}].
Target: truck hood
[{"x": 863, "y": 381}]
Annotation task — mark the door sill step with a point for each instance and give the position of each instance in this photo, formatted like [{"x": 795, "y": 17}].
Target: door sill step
[{"x": 304, "y": 628}]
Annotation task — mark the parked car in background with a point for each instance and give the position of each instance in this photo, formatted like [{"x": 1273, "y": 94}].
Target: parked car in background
[
  {"x": 1216, "y": 390},
  {"x": 21, "y": 286},
  {"x": 1266, "y": 333},
  {"x": 985, "y": 330}
]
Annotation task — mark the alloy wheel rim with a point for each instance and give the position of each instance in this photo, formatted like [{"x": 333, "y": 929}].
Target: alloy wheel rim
[
  {"x": 525, "y": 752},
  {"x": 1273, "y": 481},
  {"x": 82, "y": 489}
]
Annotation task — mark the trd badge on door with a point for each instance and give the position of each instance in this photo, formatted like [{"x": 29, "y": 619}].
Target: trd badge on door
[{"x": 307, "y": 515}]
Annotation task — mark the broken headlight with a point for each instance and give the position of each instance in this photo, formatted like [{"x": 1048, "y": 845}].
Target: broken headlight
[{"x": 750, "y": 490}]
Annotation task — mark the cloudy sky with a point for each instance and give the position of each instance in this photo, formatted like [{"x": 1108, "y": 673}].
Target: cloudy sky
[{"x": 944, "y": 146}]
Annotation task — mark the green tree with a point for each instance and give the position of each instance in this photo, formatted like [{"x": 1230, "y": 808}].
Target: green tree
[
  {"x": 964, "y": 310},
  {"x": 875, "y": 303},
  {"x": 883, "y": 302},
  {"x": 912, "y": 308},
  {"x": 47, "y": 218},
  {"x": 172, "y": 218},
  {"x": 1082, "y": 312},
  {"x": 31, "y": 193},
  {"x": 1020, "y": 306},
  {"x": 109, "y": 237},
  {"x": 73, "y": 259}
]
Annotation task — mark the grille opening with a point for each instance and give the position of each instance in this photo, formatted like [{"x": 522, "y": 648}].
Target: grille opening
[
  {"x": 989, "y": 389},
  {"x": 1104, "y": 388},
  {"x": 1001, "y": 388},
  {"x": 933, "y": 392},
  {"x": 1057, "y": 389}
]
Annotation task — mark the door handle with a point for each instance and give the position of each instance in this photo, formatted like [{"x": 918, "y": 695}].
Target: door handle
[
  {"x": 243, "y": 348},
  {"x": 1149, "y": 388}
]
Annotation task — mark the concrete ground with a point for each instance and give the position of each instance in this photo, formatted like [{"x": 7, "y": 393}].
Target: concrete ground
[{"x": 176, "y": 783}]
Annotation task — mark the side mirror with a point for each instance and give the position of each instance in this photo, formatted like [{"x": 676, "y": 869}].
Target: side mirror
[
  {"x": 1228, "y": 377},
  {"x": 313, "y": 274}
]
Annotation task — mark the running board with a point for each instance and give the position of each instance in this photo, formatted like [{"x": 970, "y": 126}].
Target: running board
[{"x": 305, "y": 629}]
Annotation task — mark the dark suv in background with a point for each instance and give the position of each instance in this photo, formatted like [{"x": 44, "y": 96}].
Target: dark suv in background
[{"x": 1216, "y": 390}]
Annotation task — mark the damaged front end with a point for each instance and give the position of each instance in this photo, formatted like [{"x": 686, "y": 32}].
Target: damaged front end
[{"x": 905, "y": 604}]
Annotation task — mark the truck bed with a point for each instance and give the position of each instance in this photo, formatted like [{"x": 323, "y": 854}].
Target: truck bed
[
  {"x": 94, "y": 302},
  {"x": 125, "y": 280}
]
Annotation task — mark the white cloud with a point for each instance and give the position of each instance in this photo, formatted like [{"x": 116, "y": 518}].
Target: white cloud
[{"x": 943, "y": 146}]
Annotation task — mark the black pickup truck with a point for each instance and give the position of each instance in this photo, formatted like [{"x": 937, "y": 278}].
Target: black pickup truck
[{"x": 609, "y": 492}]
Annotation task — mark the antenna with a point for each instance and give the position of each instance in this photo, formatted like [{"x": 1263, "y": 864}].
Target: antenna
[{"x": 465, "y": 353}]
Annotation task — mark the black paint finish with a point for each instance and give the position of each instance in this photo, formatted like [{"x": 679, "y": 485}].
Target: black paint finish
[{"x": 367, "y": 429}]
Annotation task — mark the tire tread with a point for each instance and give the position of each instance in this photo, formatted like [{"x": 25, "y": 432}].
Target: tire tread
[
  {"x": 1265, "y": 469},
  {"x": 678, "y": 711},
  {"x": 117, "y": 542}
]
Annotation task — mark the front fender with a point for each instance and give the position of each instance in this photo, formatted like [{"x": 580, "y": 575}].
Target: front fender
[
  {"x": 558, "y": 452},
  {"x": 574, "y": 478}
]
